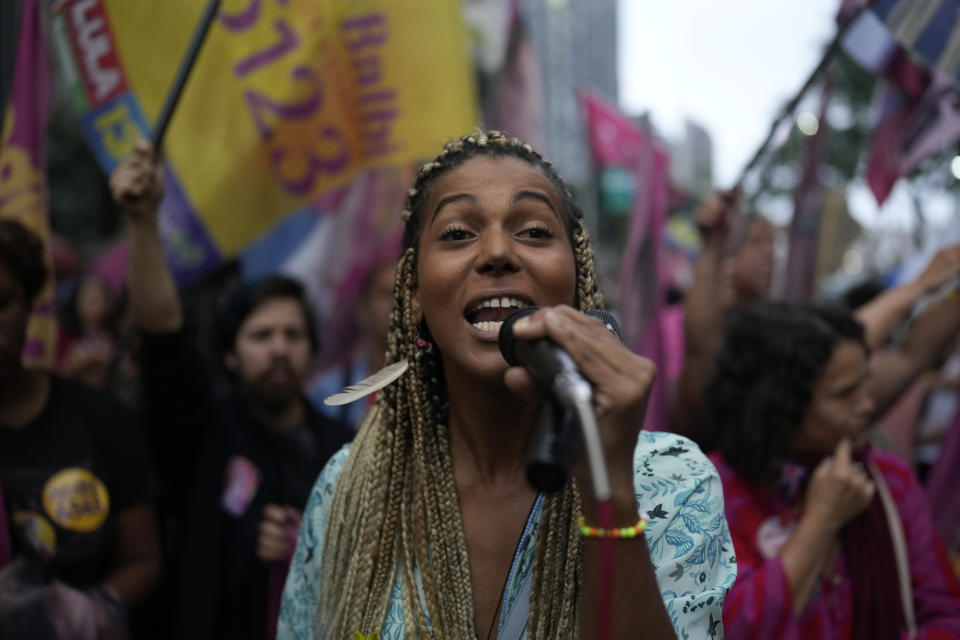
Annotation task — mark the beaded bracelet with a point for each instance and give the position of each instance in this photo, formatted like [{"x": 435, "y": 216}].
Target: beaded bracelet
[{"x": 623, "y": 532}]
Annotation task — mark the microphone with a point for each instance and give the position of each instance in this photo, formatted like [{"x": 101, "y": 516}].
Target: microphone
[{"x": 557, "y": 441}]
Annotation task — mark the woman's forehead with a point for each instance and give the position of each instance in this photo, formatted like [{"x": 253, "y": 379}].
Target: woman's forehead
[
  {"x": 847, "y": 362},
  {"x": 487, "y": 172}
]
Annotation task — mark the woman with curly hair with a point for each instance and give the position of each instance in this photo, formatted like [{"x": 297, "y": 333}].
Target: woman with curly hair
[
  {"x": 833, "y": 537},
  {"x": 425, "y": 526}
]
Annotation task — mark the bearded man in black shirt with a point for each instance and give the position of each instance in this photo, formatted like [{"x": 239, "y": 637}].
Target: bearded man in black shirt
[{"x": 237, "y": 465}]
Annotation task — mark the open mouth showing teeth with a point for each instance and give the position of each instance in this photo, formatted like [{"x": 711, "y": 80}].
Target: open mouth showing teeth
[{"x": 489, "y": 314}]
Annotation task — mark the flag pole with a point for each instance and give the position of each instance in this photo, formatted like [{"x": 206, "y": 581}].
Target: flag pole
[
  {"x": 791, "y": 106},
  {"x": 186, "y": 66}
]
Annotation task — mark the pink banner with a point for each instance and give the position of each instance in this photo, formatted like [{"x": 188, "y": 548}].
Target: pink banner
[
  {"x": 883, "y": 164},
  {"x": 23, "y": 191},
  {"x": 616, "y": 141},
  {"x": 920, "y": 108}
]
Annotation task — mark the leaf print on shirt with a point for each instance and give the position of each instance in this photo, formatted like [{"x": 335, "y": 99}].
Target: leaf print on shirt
[
  {"x": 674, "y": 451},
  {"x": 712, "y": 630},
  {"x": 658, "y": 512},
  {"x": 691, "y": 523},
  {"x": 658, "y": 487},
  {"x": 682, "y": 542}
]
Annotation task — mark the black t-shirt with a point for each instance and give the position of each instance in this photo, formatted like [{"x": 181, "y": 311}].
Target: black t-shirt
[{"x": 66, "y": 476}]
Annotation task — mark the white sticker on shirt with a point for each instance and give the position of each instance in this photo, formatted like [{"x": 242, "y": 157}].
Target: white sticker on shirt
[
  {"x": 240, "y": 481},
  {"x": 772, "y": 534}
]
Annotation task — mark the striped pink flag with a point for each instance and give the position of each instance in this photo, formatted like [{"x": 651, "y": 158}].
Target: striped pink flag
[{"x": 616, "y": 141}]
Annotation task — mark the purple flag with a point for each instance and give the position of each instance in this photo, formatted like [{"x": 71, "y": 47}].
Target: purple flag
[{"x": 23, "y": 188}]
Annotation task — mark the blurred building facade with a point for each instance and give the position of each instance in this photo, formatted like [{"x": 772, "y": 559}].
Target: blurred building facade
[
  {"x": 691, "y": 161},
  {"x": 576, "y": 42}
]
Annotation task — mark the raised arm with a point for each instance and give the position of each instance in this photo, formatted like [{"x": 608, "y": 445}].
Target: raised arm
[
  {"x": 928, "y": 338},
  {"x": 703, "y": 312},
  {"x": 137, "y": 187},
  {"x": 883, "y": 314},
  {"x": 176, "y": 403}
]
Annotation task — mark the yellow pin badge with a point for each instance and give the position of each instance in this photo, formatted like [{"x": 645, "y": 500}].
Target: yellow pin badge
[{"x": 76, "y": 499}]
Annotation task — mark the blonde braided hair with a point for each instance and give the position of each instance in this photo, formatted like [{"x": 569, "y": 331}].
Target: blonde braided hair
[{"x": 395, "y": 508}]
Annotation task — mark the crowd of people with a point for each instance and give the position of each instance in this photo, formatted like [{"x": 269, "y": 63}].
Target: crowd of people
[{"x": 222, "y": 498}]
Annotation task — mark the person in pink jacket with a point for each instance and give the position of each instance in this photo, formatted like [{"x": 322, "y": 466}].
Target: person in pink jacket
[{"x": 833, "y": 538}]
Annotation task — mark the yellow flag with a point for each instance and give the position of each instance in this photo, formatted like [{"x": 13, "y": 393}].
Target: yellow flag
[{"x": 288, "y": 100}]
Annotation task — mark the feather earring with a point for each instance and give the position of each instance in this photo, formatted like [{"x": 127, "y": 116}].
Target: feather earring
[{"x": 368, "y": 385}]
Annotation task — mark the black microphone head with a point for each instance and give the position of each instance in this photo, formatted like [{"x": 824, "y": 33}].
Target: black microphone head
[
  {"x": 508, "y": 342},
  {"x": 506, "y": 339},
  {"x": 607, "y": 319}
]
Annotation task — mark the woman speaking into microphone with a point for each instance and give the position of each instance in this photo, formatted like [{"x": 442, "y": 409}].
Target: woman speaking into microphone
[{"x": 425, "y": 527}]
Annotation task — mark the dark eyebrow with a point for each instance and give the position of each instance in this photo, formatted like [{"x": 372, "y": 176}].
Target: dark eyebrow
[
  {"x": 853, "y": 385},
  {"x": 520, "y": 196},
  {"x": 466, "y": 197}
]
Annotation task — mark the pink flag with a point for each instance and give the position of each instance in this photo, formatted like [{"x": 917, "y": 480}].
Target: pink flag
[
  {"x": 614, "y": 139},
  {"x": 617, "y": 141},
  {"x": 884, "y": 162},
  {"x": 23, "y": 190},
  {"x": 920, "y": 113},
  {"x": 913, "y": 125},
  {"x": 904, "y": 85}
]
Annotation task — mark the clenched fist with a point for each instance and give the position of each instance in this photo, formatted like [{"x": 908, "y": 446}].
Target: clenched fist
[{"x": 137, "y": 184}]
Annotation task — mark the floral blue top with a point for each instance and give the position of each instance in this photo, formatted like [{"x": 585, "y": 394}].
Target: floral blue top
[{"x": 687, "y": 535}]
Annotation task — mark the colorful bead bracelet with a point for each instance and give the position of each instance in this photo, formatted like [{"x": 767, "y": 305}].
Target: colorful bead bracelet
[{"x": 623, "y": 532}]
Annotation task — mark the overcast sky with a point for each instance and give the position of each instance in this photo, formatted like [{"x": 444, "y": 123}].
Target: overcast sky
[{"x": 728, "y": 64}]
